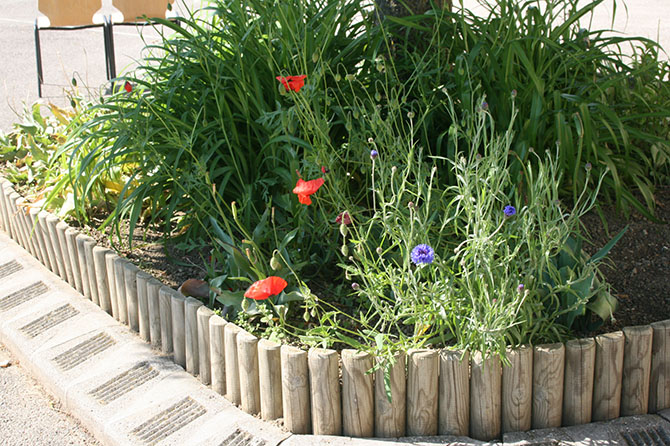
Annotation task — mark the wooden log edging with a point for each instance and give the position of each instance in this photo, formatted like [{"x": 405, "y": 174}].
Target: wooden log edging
[{"x": 432, "y": 391}]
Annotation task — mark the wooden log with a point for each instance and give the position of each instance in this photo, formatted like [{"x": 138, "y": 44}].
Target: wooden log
[
  {"x": 517, "y": 390},
  {"x": 165, "y": 302},
  {"x": 324, "y": 384},
  {"x": 52, "y": 221},
  {"x": 422, "y": 392},
  {"x": 89, "y": 243},
  {"x": 11, "y": 197},
  {"x": 20, "y": 205},
  {"x": 177, "y": 301},
  {"x": 143, "y": 280},
  {"x": 659, "y": 379},
  {"x": 153, "y": 297},
  {"x": 24, "y": 208},
  {"x": 485, "y": 397},
  {"x": 71, "y": 239},
  {"x": 191, "y": 306},
  {"x": 18, "y": 222},
  {"x": 580, "y": 360},
  {"x": 120, "y": 288},
  {"x": 30, "y": 223},
  {"x": 130, "y": 281},
  {"x": 61, "y": 227},
  {"x": 4, "y": 214},
  {"x": 42, "y": 216},
  {"x": 358, "y": 404},
  {"x": 390, "y": 416},
  {"x": 230, "y": 332},
  {"x": 548, "y": 375},
  {"x": 296, "y": 400},
  {"x": 608, "y": 376},
  {"x": 217, "y": 357},
  {"x": 247, "y": 363},
  {"x": 269, "y": 378},
  {"x": 5, "y": 190},
  {"x": 636, "y": 370},
  {"x": 100, "y": 265},
  {"x": 454, "y": 393},
  {"x": 83, "y": 266},
  {"x": 110, "y": 264},
  {"x": 204, "y": 358},
  {"x": 37, "y": 233}
]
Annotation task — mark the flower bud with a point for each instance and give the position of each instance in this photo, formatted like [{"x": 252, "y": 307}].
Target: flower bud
[
  {"x": 245, "y": 304},
  {"x": 275, "y": 264},
  {"x": 410, "y": 115},
  {"x": 233, "y": 209},
  {"x": 373, "y": 154},
  {"x": 350, "y": 77},
  {"x": 344, "y": 230},
  {"x": 355, "y": 286},
  {"x": 344, "y": 249},
  {"x": 315, "y": 57},
  {"x": 379, "y": 250}
]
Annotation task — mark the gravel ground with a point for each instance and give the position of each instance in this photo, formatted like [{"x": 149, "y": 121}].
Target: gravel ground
[{"x": 29, "y": 416}]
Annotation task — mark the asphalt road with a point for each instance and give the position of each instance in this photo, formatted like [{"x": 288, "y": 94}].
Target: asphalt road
[
  {"x": 29, "y": 416},
  {"x": 65, "y": 54}
]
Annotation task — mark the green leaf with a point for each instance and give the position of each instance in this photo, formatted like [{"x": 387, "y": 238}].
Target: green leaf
[
  {"x": 606, "y": 249},
  {"x": 231, "y": 298},
  {"x": 293, "y": 296},
  {"x": 603, "y": 305}
]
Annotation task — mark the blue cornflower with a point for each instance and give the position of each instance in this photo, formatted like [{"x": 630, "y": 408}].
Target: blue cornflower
[
  {"x": 422, "y": 254},
  {"x": 373, "y": 154},
  {"x": 509, "y": 210}
]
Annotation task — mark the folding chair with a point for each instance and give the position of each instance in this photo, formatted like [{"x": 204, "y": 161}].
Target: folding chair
[
  {"x": 133, "y": 15},
  {"x": 67, "y": 15}
]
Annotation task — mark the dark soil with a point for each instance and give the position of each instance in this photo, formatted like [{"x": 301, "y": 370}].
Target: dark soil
[
  {"x": 638, "y": 269},
  {"x": 164, "y": 261}
]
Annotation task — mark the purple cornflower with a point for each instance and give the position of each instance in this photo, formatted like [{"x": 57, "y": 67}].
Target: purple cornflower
[
  {"x": 520, "y": 288},
  {"x": 422, "y": 254},
  {"x": 373, "y": 154},
  {"x": 509, "y": 210}
]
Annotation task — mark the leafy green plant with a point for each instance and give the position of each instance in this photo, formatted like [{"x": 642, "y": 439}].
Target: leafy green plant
[
  {"x": 574, "y": 88},
  {"x": 39, "y": 153}
]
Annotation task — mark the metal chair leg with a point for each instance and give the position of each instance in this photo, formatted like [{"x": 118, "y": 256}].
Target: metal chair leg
[
  {"x": 38, "y": 55},
  {"x": 111, "y": 58},
  {"x": 105, "y": 35}
]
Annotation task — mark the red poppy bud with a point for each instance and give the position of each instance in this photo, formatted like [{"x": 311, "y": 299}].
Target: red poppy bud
[{"x": 128, "y": 87}]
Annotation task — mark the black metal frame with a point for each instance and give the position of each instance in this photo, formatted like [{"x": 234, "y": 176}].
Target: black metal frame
[
  {"x": 108, "y": 35},
  {"x": 111, "y": 57},
  {"x": 38, "y": 49}
]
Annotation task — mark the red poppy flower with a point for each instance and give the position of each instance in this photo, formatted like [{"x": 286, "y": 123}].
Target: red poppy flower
[
  {"x": 128, "y": 87},
  {"x": 306, "y": 188},
  {"x": 262, "y": 289},
  {"x": 292, "y": 83}
]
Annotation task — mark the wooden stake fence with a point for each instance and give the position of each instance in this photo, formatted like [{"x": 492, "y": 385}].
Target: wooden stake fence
[{"x": 424, "y": 392}]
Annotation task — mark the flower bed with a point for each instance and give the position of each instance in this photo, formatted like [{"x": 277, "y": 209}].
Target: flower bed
[{"x": 322, "y": 391}]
